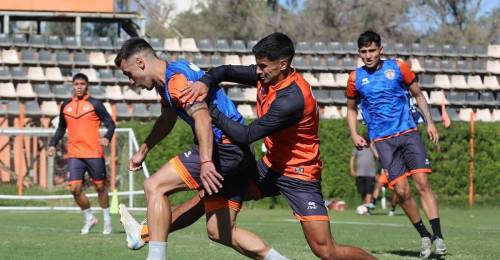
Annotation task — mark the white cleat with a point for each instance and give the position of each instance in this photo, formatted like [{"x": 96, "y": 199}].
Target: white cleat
[
  {"x": 132, "y": 229},
  {"x": 440, "y": 247},
  {"x": 425, "y": 248},
  {"x": 107, "y": 228},
  {"x": 391, "y": 213},
  {"x": 88, "y": 226}
]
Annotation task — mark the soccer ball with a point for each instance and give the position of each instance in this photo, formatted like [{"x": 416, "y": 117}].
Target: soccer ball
[{"x": 362, "y": 210}]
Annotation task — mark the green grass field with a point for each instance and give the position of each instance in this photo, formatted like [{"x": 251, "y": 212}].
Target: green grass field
[{"x": 469, "y": 233}]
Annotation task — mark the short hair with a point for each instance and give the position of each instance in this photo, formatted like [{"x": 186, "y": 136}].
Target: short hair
[
  {"x": 367, "y": 38},
  {"x": 80, "y": 76},
  {"x": 132, "y": 46},
  {"x": 274, "y": 46}
]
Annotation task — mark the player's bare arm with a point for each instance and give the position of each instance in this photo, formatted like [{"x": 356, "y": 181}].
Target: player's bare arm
[
  {"x": 352, "y": 113},
  {"x": 424, "y": 107},
  {"x": 203, "y": 124}
]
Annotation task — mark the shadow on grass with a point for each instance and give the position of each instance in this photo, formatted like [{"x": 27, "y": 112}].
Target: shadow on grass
[{"x": 408, "y": 253}]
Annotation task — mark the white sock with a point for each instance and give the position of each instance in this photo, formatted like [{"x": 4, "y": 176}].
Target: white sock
[
  {"x": 88, "y": 214},
  {"x": 106, "y": 216},
  {"x": 274, "y": 255},
  {"x": 157, "y": 250}
]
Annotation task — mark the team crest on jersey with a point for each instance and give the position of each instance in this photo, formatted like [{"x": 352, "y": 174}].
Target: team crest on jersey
[
  {"x": 389, "y": 74},
  {"x": 69, "y": 109},
  {"x": 194, "y": 67},
  {"x": 86, "y": 108},
  {"x": 364, "y": 81}
]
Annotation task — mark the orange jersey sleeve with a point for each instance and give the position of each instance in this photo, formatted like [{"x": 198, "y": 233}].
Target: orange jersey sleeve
[
  {"x": 177, "y": 83},
  {"x": 351, "y": 91},
  {"x": 408, "y": 74}
]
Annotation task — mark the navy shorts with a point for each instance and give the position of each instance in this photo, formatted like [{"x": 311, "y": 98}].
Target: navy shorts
[
  {"x": 304, "y": 197},
  {"x": 233, "y": 162},
  {"x": 94, "y": 166},
  {"x": 403, "y": 155}
]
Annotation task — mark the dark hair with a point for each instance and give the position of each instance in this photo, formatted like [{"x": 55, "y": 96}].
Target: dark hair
[
  {"x": 131, "y": 47},
  {"x": 274, "y": 46},
  {"x": 367, "y": 38},
  {"x": 80, "y": 76}
]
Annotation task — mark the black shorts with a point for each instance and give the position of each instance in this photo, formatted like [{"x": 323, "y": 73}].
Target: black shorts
[
  {"x": 233, "y": 162},
  {"x": 365, "y": 184},
  {"x": 402, "y": 156},
  {"x": 94, "y": 166}
]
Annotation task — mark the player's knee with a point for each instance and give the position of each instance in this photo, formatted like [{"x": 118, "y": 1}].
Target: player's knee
[
  {"x": 213, "y": 234},
  {"x": 100, "y": 188},
  {"x": 423, "y": 187},
  {"x": 324, "y": 249},
  {"x": 75, "y": 189},
  {"x": 150, "y": 187},
  {"x": 403, "y": 194}
]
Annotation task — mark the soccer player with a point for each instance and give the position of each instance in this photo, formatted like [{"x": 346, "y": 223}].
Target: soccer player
[
  {"x": 82, "y": 116},
  {"x": 380, "y": 87},
  {"x": 214, "y": 156},
  {"x": 288, "y": 120}
]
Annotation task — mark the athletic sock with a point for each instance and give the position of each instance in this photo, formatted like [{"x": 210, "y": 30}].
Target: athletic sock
[
  {"x": 88, "y": 214},
  {"x": 274, "y": 255},
  {"x": 421, "y": 229},
  {"x": 374, "y": 201},
  {"x": 105, "y": 214},
  {"x": 436, "y": 227},
  {"x": 157, "y": 250},
  {"x": 393, "y": 208}
]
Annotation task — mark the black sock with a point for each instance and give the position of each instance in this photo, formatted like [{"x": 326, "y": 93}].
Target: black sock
[
  {"x": 436, "y": 227},
  {"x": 374, "y": 201},
  {"x": 393, "y": 208},
  {"x": 421, "y": 229}
]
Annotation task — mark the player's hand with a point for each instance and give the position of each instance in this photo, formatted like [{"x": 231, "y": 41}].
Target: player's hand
[
  {"x": 135, "y": 162},
  {"x": 359, "y": 141},
  {"x": 104, "y": 141},
  {"x": 195, "y": 91},
  {"x": 433, "y": 132},
  {"x": 211, "y": 179},
  {"x": 52, "y": 151}
]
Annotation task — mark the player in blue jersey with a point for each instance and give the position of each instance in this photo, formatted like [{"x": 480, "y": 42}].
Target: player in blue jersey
[
  {"x": 380, "y": 89},
  {"x": 213, "y": 158}
]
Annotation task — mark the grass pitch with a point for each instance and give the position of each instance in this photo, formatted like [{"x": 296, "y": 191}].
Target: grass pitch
[{"x": 469, "y": 233}]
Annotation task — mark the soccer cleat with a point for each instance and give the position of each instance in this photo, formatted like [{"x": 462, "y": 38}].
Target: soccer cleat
[
  {"x": 88, "y": 226},
  {"x": 107, "y": 228},
  {"x": 425, "y": 248},
  {"x": 391, "y": 213},
  {"x": 132, "y": 229},
  {"x": 370, "y": 206},
  {"x": 440, "y": 246}
]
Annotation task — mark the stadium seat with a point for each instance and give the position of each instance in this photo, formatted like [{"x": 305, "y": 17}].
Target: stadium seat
[
  {"x": 130, "y": 94},
  {"x": 110, "y": 59},
  {"x": 320, "y": 48},
  {"x": 299, "y": 63},
  {"x": 479, "y": 66},
  {"x": 401, "y": 49},
  {"x": 359, "y": 62},
  {"x": 474, "y": 82},
  {"x": 338, "y": 96},
  {"x": 49, "y": 108},
  {"x": 311, "y": 79},
  {"x": 155, "y": 109},
  {"x": 114, "y": 93},
  {"x": 106, "y": 76},
  {"x": 36, "y": 41},
  {"x": 88, "y": 43},
  {"x": 426, "y": 80},
  {"x": 10, "y": 57},
  {"x": 200, "y": 61},
  {"x": 464, "y": 66},
  {"x": 81, "y": 59},
  {"x": 480, "y": 51},
  {"x": 351, "y": 48},
  {"x": 221, "y": 45},
  {"x": 250, "y": 45},
  {"x": 216, "y": 60},
  {"x": 45, "y": 58},
  {"x": 28, "y": 57},
  {"x": 139, "y": 110},
  {"x": 91, "y": 74},
  {"x": 495, "y": 115},
  {"x": 4, "y": 40},
  {"x": 250, "y": 94},
  {"x": 452, "y": 114},
  {"x": 232, "y": 60},
  {"x": 322, "y": 96},
  {"x": 236, "y": 94},
  {"x": 246, "y": 111},
  {"x": 341, "y": 79},
  {"x": 442, "y": 81},
  {"x": 19, "y": 40},
  {"x": 69, "y": 42},
  {"x": 326, "y": 80},
  {"x": 336, "y": 48},
  {"x": 348, "y": 64},
  {"x": 447, "y": 66},
  {"x": 494, "y": 51},
  {"x": 433, "y": 50},
  {"x": 54, "y": 42},
  {"x": 493, "y": 66},
  {"x": 120, "y": 77},
  {"x": 43, "y": 91},
  {"x": 303, "y": 48},
  {"x": 389, "y": 49},
  {"x": 415, "y": 65},
  {"x": 247, "y": 60},
  {"x": 431, "y": 65},
  {"x": 156, "y": 43},
  {"x": 32, "y": 108},
  {"x": 7, "y": 90},
  {"x": 417, "y": 50},
  {"x": 122, "y": 111},
  {"x": 18, "y": 73},
  {"x": 465, "y": 51},
  {"x": 53, "y": 74},
  {"x": 149, "y": 95},
  {"x": 464, "y": 114},
  {"x": 13, "y": 107},
  {"x": 435, "y": 114},
  {"x": 63, "y": 91},
  {"x": 343, "y": 112},
  {"x": 458, "y": 82},
  {"x": 5, "y": 74},
  {"x": 487, "y": 98},
  {"x": 108, "y": 108},
  {"x": 455, "y": 98},
  {"x": 118, "y": 42},
  {"x": 472, "y": 98},
  {"x": 63, "y": 58},
  {"x": 97, "y": 59},
  {"x": 172, "y": 44},
  {"x": 36, "y": 74},
  {"x": 331, "y": 112},
  {"x": 105, "y": 43},
  {"x": 205, "y": 45},
  {"x": 491, "y": 82},
  {"x": 317, "y": 65},
  {"x": 436, "y": 97},
  {"x": 449, "y": 50},
  {"x": 333, "y": 63}
]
